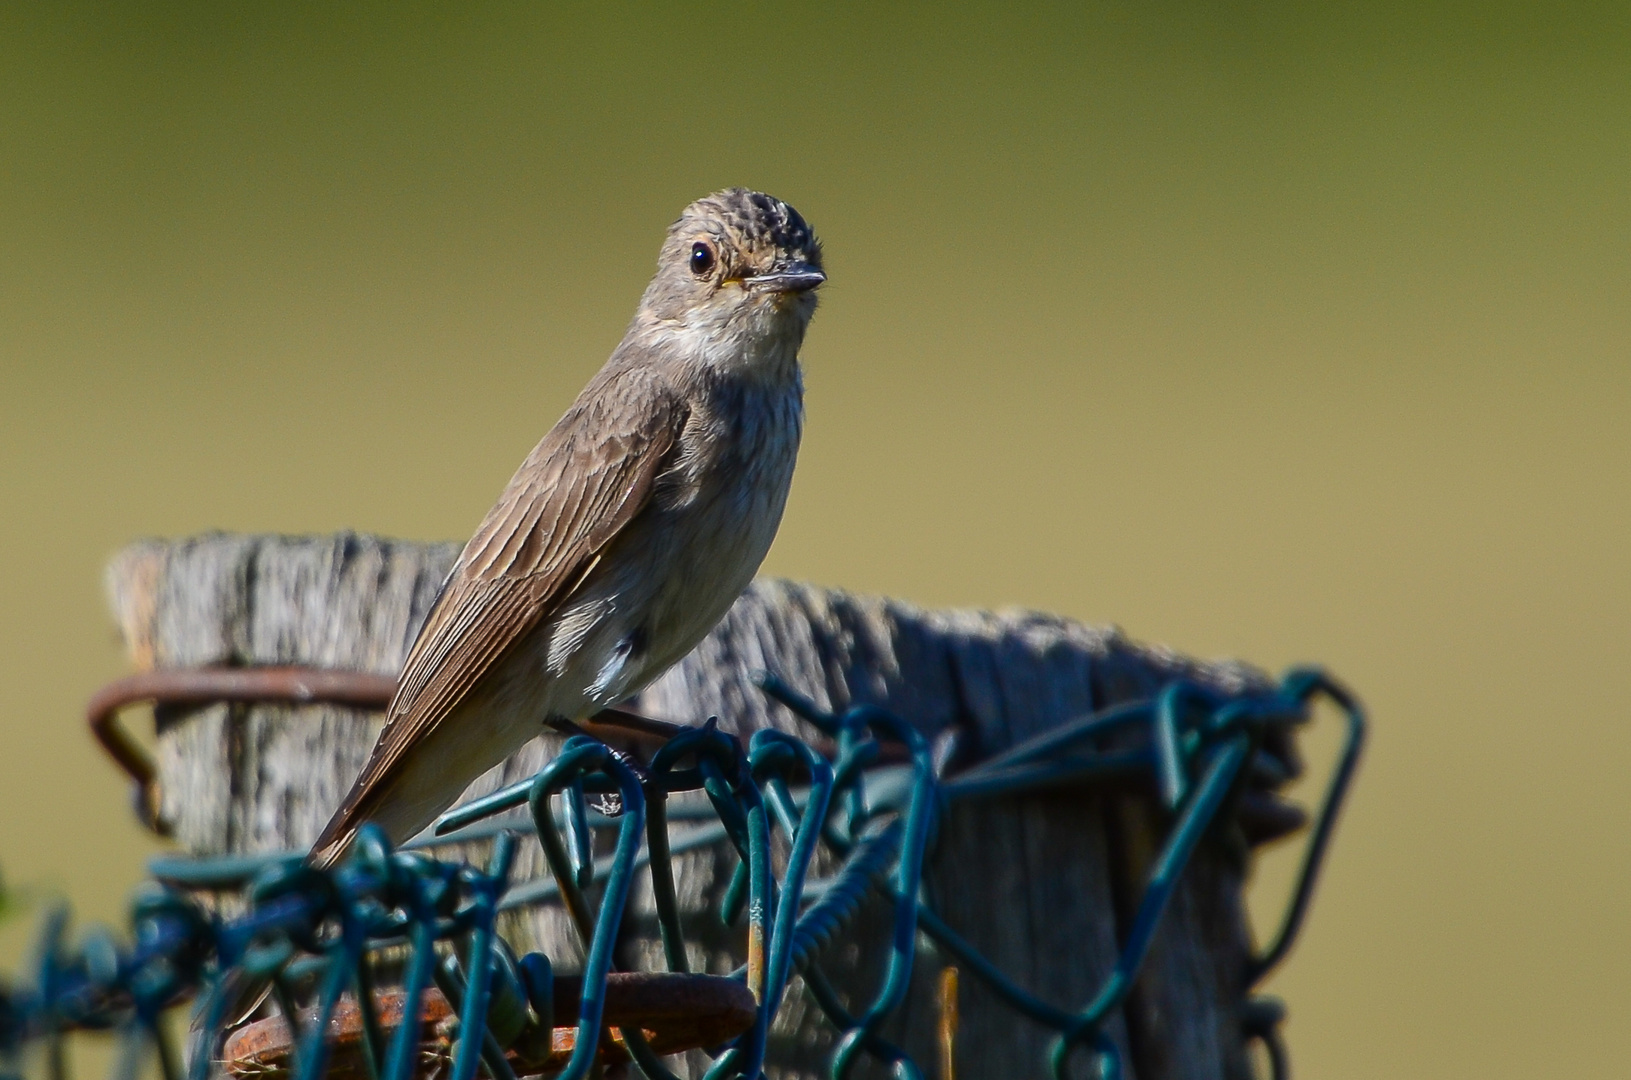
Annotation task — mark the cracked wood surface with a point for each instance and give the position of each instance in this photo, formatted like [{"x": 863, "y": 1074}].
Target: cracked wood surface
[{"x": 1041, "y": 883}]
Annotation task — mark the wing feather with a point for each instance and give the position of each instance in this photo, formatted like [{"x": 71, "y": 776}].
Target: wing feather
[{"x": 583, "y": 483}]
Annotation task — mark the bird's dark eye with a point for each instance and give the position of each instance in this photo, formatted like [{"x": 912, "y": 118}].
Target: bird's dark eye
[{"x": 702, "y": 258}]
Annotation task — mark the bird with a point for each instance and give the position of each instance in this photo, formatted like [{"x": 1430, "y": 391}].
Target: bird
[{"x": 627, "y": 532}]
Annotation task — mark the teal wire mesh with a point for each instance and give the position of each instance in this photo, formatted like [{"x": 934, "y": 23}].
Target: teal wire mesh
[{"x": 316, "y": 940}]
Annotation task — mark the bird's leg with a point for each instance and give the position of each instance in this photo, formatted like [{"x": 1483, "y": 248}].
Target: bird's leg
[{"x": 609, "y": 804}]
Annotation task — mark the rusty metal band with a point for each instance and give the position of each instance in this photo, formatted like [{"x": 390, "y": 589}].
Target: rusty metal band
[
  {"x": 204, "y": 686},
  {"x": 1263, "y": 816}
]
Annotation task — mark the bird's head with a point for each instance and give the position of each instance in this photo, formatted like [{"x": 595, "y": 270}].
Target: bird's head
[{"x": 738, "y": 272}]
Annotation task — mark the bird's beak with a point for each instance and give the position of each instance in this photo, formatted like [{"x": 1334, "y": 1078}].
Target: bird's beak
[{"x": 793, "y": 278}]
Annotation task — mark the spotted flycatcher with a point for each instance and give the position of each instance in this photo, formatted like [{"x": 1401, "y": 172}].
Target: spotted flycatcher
[{"x": 626, "y": 533}]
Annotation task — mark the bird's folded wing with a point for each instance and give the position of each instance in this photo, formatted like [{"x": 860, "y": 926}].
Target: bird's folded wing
[{"x": 583, "y": 483}]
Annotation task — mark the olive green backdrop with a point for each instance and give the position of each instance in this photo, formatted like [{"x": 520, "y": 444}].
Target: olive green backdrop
[{"x": 1287, "y": 335}]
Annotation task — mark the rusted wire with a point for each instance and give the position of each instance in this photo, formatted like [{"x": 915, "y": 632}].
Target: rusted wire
[
  {"x": 202, "y": 686},
  {"x": 948, "y": 1022}
]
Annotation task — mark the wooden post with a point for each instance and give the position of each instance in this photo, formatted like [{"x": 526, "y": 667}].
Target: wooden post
[{"x": 1042, "y": 884}]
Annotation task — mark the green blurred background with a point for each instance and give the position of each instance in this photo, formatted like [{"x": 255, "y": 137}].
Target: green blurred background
[{"x": 1281, "y": 331}]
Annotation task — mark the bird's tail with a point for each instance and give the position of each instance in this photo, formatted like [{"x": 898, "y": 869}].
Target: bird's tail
[
  {"x": 246, "y": 993},
  {"x": 332, "y": 845}
]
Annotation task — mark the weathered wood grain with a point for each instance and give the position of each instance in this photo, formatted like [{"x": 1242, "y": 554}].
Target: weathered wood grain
[
  {"x": 253, "y": 778},
  {"x": 1040, "y": 883}
]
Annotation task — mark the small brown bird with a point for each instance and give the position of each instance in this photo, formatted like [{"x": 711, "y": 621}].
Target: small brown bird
[{"x": 626, "y": 533}]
